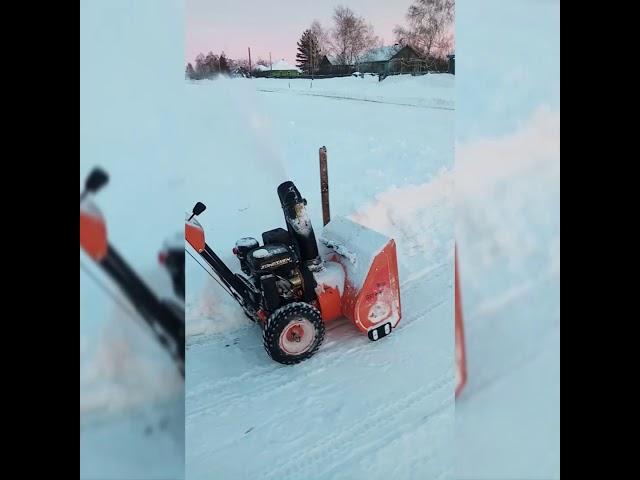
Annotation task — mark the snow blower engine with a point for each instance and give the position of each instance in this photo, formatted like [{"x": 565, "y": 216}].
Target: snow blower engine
[{"x": 292, "y": 286}]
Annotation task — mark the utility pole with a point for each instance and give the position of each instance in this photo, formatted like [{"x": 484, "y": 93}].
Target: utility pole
[
  {"x": 249, "y": 49},
  {"x": 270, "y": 62}
]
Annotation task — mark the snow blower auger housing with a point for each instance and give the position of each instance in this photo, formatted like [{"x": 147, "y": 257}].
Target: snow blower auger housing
[{"x": 292, "y": 289}]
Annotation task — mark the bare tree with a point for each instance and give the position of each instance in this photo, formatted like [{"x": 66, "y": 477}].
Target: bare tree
[
  {"x": 321, "y": 36},
  {"x": 351, "y": 36},
  {"x": 429, "y": 27},
  {"x": 263, "y": 62},
  {"x": 242, "y": 63}
]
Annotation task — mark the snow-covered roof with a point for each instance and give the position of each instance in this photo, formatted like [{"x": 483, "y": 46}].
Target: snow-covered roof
[
  {"x": 381, "y": 54},
  {"x": 283, "y": 65},
  {"x": 261, "y": 68}
]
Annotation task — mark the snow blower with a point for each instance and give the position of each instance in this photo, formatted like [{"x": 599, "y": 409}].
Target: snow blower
[
  {"x": 164, "y": 318},
  {"x": 292, "y": 286}
]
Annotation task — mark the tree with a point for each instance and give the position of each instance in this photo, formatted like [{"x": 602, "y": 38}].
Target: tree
[
  {"x": 223, "y": 63},
  {"x": 351, "y": 36},
  {"x": 200, "y": 66},
  {"x": 212, "y": 63},
  {"x": 322, "y": 37},
  {"x": 308, "y": 55},
  {"x": 429, "y": 27},
  {"x": 190, "y": 73}
]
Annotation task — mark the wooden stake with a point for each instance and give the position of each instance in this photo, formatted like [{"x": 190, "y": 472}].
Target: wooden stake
[{"x": 324, "y": 185}]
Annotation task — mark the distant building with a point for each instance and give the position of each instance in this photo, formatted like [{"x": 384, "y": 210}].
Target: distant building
[
  {"x": 278, "y": 69},
  {"x": 390, "y": 59},
  {"x": 331, "y": 66}
]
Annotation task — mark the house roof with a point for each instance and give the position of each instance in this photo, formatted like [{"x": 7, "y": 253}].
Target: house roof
[
  {"x": 332, "y": 60},
  {"x": 280, "y": 65},
  {"x": 381, "y": 54},
  {"x": 283, "y": 65}
]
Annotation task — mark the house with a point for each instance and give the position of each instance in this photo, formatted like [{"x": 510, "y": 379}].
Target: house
[
  {"x": 331, "y": 66},
  {"x": 280, "y": 69},
  {"x": 390, "y": 59},
  {"x": 452, "y": 63},
  {"x": 325, "y": 65}
]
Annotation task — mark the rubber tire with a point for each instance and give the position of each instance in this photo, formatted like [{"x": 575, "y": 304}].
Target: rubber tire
[{"x": 277, "y": 322}]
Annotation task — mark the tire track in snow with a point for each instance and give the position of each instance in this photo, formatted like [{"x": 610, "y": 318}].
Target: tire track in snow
[
  {"x": 334, "y": 356},
  {"x": 276, "y": 381},
  {"x": 350, "y": 442},
  {"x": 360, "y": 99}
]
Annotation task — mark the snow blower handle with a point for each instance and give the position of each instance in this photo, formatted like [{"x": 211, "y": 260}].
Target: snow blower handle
[
  {"x": 198, "y": 208},
  {"x": 298, "y": 222},
  {"x": 97, "y": 179},
  {"x": 165, "y": 322}
]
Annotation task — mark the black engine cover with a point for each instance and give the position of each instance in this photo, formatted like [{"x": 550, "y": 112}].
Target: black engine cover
[
  {"x": 277, "y": 235},
  {"x": 271, "y": 258}
]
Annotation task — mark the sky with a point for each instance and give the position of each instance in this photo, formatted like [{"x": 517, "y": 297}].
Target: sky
[{"x": 232, "y": 26}]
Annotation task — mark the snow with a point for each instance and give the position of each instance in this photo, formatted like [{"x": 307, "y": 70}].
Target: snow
[
  {"x": 283, "y": 65},
  {"x": 508, "y": 232},
  {"x": 260, "y": 253},
  {"x": 356, "y": 409},
  {"x": 425, "y": 91},
  {"x": 301, "y": 224},
  {"x": 380, "y": 54},
  {"x": 246, "y": 242},
  {"x": 509, "y": 256},
  {"x": 330, "y": 276},
  {"x": 357, "y": 244}
]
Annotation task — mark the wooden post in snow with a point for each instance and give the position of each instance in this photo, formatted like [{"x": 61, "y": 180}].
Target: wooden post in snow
[
  {"x": 460, "y": 354},
  {"x": 324, "y": 185}
]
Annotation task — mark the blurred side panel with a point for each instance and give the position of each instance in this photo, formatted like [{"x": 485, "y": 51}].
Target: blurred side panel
[{"x": 508, "y": 236}]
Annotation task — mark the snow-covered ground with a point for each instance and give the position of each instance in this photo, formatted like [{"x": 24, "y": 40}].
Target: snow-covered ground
[
  {"x": 356, "y": 409},
  {"x": 432, "y": 91},
  {"x": 508, "y": 232}
]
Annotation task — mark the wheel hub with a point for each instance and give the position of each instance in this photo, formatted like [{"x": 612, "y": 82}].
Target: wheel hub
[{"x": 297, "y": 337}]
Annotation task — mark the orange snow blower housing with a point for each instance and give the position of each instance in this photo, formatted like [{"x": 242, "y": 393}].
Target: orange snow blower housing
[
  {"x": 369, "y": 292},
  {"x": 292, "y": 284}
]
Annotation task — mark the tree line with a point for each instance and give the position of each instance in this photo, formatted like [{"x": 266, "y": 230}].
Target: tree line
[
  {"x": 212, "y": 65},
  {"x": 428, "y": 30}
]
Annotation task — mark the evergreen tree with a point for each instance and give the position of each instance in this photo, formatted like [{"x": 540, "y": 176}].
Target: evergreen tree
[
  {"x": 308, "y": 52},
  {"x": 224, "y": 63},
  {"x": 212, "y": 65},
  {"x": 190, "y": 73},
  {"x": 201, "y": 67}
]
